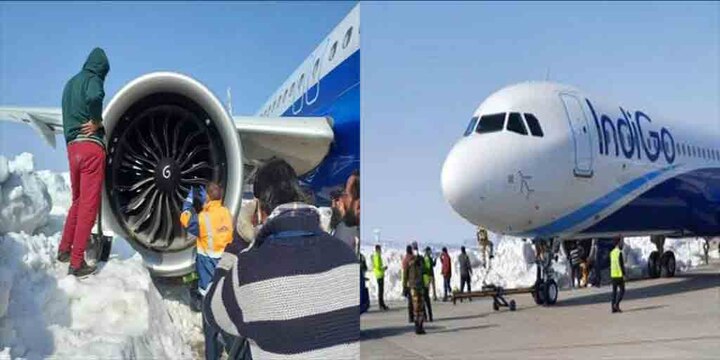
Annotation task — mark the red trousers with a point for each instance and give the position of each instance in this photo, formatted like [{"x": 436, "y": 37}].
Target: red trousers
[{"x": 87, "y": 171}]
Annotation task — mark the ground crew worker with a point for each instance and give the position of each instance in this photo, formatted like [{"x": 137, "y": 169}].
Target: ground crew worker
[
  {"x": 413, "y": 280},
  {"x": 428, "y": 265},
  {"x": 82, "y": 103},
  {"x": 379, "y": 270},
  {"x": 406, "y": 290},
  {"x": 213, "y": 228},
  {"x": 446, "y": 272},
  {"x": 465, "y": 270},
  {"x": 617, "y": 275}
]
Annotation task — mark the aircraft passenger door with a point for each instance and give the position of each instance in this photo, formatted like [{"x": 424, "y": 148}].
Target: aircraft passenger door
[{"x": 581, "y": 135}]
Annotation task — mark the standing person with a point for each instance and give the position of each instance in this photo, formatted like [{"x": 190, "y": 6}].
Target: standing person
[
  {"x": 413, "y": 280},
  {"x": 406, "y": 290},
  {"x": 465, "y": 270},
  {"x": 446, "y": 272},
  {"x": 213, "y": 228},
  {"x": 430, "y": 263},
  {"x": 82, "y": 103},
  {"x": 575, "y": 260},
  {"x": 379, "y": 270},
  {"x": 294, "y": 292},
  {"x": 617, "y": 274},
  {"x": 348, "y": 207}
]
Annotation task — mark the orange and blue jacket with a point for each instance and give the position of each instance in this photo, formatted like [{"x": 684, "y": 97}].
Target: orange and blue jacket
[{"x": 214, "y": 228}]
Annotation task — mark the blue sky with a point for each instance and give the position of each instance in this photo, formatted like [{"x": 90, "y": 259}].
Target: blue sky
[
  {"x": 426, "y": 67},
  {"x": 250, "y": 47}
]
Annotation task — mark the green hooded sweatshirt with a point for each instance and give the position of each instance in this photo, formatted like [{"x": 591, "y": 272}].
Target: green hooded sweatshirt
[{"x": 83, "y": 97}]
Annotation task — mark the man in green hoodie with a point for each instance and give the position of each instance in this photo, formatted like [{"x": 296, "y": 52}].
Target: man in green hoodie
[{"x": 82, "y": 104}]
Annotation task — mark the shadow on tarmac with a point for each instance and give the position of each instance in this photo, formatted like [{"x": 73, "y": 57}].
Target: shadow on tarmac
[
  {"x": 644, "y": 308},
  {"x": 379, "y": 333},
  {"x": 688, "y": 283}
]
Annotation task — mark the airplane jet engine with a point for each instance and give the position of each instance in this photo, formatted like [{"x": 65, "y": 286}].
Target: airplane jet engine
[{"x": 166, "y": 132}]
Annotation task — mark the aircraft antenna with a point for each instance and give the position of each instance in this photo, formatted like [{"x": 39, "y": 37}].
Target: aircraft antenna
[{"x": 547, "y": 74}]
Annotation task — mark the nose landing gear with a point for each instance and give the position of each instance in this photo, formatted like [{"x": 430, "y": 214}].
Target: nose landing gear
[{"x": 545, "y": 291}]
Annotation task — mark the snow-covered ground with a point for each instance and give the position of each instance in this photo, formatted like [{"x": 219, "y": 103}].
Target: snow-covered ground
[
  {"x": 514, "y": 263},
  {"x": 117, "y": 313}
]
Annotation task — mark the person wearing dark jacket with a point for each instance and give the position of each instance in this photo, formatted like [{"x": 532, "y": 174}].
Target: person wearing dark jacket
[
  {"x": 406, "y": 290},
  {"x": 82, "y": 103},
  {"x": 465, "y": 270},
  {"x": 617, "y": 275},
  {"x": 294, "y": 292}
]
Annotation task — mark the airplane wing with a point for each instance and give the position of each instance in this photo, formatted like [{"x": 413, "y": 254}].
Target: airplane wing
[
  {"x": 46, "y": 121},
  {"x": 301, "y": 141}
]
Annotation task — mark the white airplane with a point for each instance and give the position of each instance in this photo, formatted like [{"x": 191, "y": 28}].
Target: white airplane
[
  {"x": 167, "y": 131},
  {"x": 547, "y": 161}
]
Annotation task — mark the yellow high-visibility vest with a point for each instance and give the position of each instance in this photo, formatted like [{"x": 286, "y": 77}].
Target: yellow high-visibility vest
[
  {"x": 615, "y": 269},
  {"x": 378, "y": 267}
]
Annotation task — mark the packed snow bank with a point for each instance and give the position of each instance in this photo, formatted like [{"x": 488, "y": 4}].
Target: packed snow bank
[
  {"x": 25, "y": 203},
  {"x": 117, "y": 313},
  {"x": 514, "y": 264}
]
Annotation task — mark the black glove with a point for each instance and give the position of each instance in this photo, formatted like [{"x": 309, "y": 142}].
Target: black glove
[{"x": 406, "y": 292}]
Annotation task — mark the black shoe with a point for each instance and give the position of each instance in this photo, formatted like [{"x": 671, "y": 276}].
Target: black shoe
[
  {"x": 420, "y": 331},
  {"x": 83, "y": 271},
  {"x": 63, "y": 257},
  {"x": 618, "y": 310}
]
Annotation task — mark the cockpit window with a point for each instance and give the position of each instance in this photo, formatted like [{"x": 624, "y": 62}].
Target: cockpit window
[
  {"x": 471, "y": 126},
  {"x": 491, "y": 123},
  {"x": 534, "y": 125},
  {"x": 515, "y": 124}
]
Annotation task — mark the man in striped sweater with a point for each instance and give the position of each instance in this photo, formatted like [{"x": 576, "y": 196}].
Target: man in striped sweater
[{"x": 294, "y": 291}]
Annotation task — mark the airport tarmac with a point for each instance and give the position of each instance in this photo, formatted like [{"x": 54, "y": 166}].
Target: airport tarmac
[{"x": 676, "y": 318}]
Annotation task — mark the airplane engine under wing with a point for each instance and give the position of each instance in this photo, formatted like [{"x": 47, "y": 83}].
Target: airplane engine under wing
[{"x": 165, "y": 133}]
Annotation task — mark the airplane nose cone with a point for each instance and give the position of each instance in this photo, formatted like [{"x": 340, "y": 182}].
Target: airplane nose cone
[{"x": 457, "y": 181}]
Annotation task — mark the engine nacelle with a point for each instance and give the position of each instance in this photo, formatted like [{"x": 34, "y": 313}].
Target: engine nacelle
[{"x": 165, "y": 133}]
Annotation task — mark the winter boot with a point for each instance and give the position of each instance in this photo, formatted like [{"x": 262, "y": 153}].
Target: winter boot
[
  {"x": 63, "y": 256},
  {"x": 83, "y": 271}
]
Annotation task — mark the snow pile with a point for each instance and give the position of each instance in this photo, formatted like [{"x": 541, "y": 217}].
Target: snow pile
[
  {"x": 514, "y": 264},
  {"x": 117, "y": 313},
  {"x": 24, "y": 200}
]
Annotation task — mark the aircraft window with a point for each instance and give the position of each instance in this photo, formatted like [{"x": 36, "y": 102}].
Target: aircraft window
[
  {"x": 301, "y": 81},
  {"x": 534, "y": 125},
  {"x": 333, "y": 50},
  {"x": 471, "y": 126},
  {"x": 491, "y": 123},
  {"x": 348, "y": 35},
  {"x": 292, "y": 90},
  {"x": 515, "y": 124},
  {"x": 316, "y": 69}
]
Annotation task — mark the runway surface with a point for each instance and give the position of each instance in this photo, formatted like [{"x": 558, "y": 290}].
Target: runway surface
[{"x": 675, "y": 318}]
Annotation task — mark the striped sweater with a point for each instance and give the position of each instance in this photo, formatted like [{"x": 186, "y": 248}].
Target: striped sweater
[{"x": 294, "y": 292}]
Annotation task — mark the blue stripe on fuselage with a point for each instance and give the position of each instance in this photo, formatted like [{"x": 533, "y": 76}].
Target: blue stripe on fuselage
[
  {"x": 586, "y": 212},
  {"x": 686, "y": 204},
  {"x": 337, "y": 95}
]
